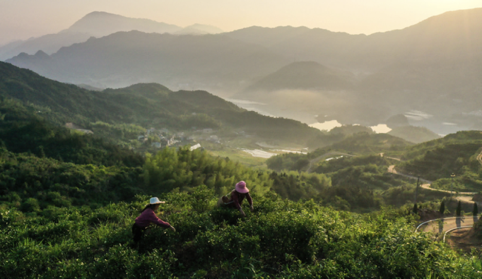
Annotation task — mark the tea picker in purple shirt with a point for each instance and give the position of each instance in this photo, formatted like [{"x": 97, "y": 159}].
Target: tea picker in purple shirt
[
  {"x": 147, "y": 217},
  {"x": 236, "y": 197}
]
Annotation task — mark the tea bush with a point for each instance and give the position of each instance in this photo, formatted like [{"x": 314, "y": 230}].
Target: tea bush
[{"x": 280, "y": 239}]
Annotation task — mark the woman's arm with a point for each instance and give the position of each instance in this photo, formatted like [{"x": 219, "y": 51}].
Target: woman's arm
[
  {"x": 154, "y": 219},
  {"x": 250, "y": 200}
]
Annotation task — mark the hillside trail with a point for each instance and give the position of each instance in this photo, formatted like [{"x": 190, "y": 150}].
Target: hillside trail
[
  {"x": 466, "y": 196},
  {"x": 317, "y": 159}
]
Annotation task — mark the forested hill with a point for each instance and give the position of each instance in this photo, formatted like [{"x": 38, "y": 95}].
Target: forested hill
[
  {"x": 353, "y": 140},
  {"x": 68, "y": 201},
  {"x": 463, "y": 137},
  {"x": 437, "y": 160},
  {"x": 141, "y": 104}
]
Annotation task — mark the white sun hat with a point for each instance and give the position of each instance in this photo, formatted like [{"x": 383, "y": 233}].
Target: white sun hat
[{"x": 155, "y": 200}]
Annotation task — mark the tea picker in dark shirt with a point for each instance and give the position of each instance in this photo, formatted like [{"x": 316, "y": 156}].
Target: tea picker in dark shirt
[
  {"x": 147, "y": 217},
  {"x": 236, "y": 197}
]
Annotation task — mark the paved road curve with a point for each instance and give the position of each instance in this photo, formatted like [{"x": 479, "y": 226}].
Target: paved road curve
[{"x": 438, "y": 226}]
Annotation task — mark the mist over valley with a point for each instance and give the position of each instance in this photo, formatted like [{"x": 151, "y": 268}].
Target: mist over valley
[{"x": 432, "y": 67}]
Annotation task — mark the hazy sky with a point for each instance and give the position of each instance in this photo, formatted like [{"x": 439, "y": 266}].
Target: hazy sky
[{"x": 21, "y": 19}]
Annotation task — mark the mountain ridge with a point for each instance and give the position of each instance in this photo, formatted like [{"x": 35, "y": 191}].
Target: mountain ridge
[
  {"x": 141, "y": 104},
  {"x": 100, "y": 24},
  {"x": 424, "y": 67},
  {"x": 97, "y": 24},
  {"x": 163, "y": 58}
]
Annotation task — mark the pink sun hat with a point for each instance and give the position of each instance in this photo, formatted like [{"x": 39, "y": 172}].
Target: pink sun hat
[{"x": 241, "y": 187}]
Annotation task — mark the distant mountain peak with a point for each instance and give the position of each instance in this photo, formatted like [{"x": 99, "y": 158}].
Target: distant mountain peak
[
  {"x": 99, "y": 13},
  {"x": 41, "y": 53},
  {"x": 99, "y": 24},
  {"x": 147, "y": 87},
  {"x": 22, "y": 57},
  {"x": 304, "y": 75}
]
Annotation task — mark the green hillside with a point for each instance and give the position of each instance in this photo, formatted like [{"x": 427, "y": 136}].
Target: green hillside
[
  {"x": 145, "y": 105},
  {"x": 346, "y": 139},
  {"x": 65, "y": 220},
  {"x": 68, "y": 200},
  {"x": 439, "y": 159},
  {"x": 24, "y": 130},
  {"x": 458, "y": 138},
  {"x": 358, "y": 173}
]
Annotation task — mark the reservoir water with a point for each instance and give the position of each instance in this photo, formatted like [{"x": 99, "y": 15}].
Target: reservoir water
[{"x": 328, "y": 125}]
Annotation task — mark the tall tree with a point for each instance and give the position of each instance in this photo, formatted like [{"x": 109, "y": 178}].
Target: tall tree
[{"x": 442, "y": 207}]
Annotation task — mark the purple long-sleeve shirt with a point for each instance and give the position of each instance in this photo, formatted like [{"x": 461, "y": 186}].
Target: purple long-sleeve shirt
[
  {"x": 237, "y": 199},
  {"x": 147, "y": 217}
]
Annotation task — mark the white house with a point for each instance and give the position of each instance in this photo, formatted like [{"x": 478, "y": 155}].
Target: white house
[{"x": 194, "y": 147}]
